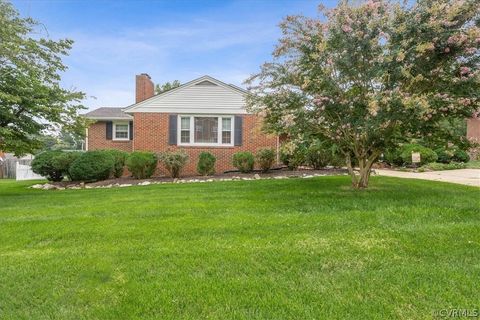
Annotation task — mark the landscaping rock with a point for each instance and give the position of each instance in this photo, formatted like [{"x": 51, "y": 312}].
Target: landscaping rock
[
  {"x": 256, "y": 176},
  {"x": 37, "y": 186},
  {"x": 145, "y": 183},
  {"x": 48, "y": 186},
  {"x": 125, "y": 185}
]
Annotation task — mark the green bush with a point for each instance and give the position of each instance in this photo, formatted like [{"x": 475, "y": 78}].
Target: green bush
[
  {"x": 174, "y": 161},
  {"x": 444, "y": 155},
  {"x": 460, "y": 156},
  {"x": 320, "y": 154},
  {"x": 120, "y": 158},
  {"x": 44, "y": 165},
  {"x": 293, "y": 159},
  {"x": 63, "y": 161},
  {"x": 141, "y": 164},
  {"x": 435, "y": 166},
  {"x": 393, "y": 157},
  {"x": 206, "y": 164},
  {"x": 92, "y": 166},
  {"x": 243, "y": 161},
  {"x": 265, "y": 158},
  {"x": 427, "y": 155}
]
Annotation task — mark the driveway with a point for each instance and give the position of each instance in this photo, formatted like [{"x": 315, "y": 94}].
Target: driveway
[{"x": 469, "y": 177}]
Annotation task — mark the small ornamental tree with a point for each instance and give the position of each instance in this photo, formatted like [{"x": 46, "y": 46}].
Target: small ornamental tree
[{"x": 371, "y": 75}]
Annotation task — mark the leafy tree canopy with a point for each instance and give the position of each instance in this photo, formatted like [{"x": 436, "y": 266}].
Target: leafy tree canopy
[
  {"x": 159, "y": 88},
  {"x": 371, "y": 74},
  {"x": 32, "y": 102}
]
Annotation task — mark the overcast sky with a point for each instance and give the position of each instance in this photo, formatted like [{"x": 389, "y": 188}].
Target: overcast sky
[{"x": 114, "y": 40}]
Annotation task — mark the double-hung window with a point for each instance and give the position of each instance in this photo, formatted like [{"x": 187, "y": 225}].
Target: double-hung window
[
  {"x": 121, "y": 131},
  {"x": 203, "y": 130}
]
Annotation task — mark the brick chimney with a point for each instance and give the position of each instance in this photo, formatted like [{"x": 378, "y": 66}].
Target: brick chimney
[{"x": 144, "y": 87}]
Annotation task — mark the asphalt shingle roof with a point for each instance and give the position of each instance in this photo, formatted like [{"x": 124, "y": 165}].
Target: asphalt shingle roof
[{"x": 108, "y": 113}]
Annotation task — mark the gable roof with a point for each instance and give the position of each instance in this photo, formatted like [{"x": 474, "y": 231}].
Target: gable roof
[
  {"x": 205, "y": 81},
  {"x": 108, "y": 113}
]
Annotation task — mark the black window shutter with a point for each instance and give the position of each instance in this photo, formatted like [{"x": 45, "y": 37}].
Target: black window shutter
[
  {"x": 130, "y": 128},
  {"x": 109, "y": 127},
  {"x": 238, "y": 130},
  {"x": 172, "y": 129}
]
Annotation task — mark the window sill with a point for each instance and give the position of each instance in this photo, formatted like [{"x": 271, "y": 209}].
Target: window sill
[
  {"x": 121, "y": 140},
  {"x": 199, "y": 146}
]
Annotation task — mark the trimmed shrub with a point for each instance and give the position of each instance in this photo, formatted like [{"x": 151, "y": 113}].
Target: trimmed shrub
[
  {"x": 320, "y": 154},
  {"x": 393, "y": 157},
  {"x": 141, "y": 164},
  {"x": 44, "y": 165},
  {"x": 173, "y": 161},
  {"x": 427, "y": 155},
  {"x": 444, "y": 155},
  {"x": 460, "y": 156},
  {"x": 206, "y": 164},
  {"x": 293, "y": 159},
  {"x": 92, "y": 166},
  {"x": 120, "y": 158},
  {"x": 63, "y": 161},
  {"x": 265, "y": 158},
  {"x": 243, "y": 161}
]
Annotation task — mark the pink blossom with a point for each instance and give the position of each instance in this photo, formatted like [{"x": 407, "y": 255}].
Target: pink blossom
[
  {"x": 464, "y": 70},
  {"x": 346, "y": 28},
  {"x": 447, "y": 50},
  {"x": 470, "y": 50}
]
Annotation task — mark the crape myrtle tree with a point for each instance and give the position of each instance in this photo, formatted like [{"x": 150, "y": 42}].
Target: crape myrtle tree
[
  {"x": 32, "y": 102},
  {"x": 368, "y": 75}
]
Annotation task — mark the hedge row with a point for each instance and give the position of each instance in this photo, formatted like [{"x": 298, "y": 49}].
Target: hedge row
[
  {"x": 98, "y": 165},
  {"x": 80, "y": 166},
  {"x": 403, "y": 155}
]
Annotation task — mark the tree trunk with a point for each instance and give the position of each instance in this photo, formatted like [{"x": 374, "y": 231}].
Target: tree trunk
[{"x": 360, "y": 180}]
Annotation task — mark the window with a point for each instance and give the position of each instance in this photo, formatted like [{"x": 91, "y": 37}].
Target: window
[
  {"x": 120, "y": 131},
  {"x": 205, "y": 130},
  {"x": 185, "y": 130},
  {"x": 226, "y": 130}
]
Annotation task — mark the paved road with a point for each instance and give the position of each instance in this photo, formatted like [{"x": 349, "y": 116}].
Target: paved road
[{"x": 469, "y": 177}]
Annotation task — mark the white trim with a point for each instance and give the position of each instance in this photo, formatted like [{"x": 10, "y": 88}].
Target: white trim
[
  {"x": 114, "y": 130},
  {"x": 86, "y": 139},
  {"x": 192, "y": 142}
]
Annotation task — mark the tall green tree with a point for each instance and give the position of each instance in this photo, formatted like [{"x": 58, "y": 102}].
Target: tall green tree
[
  {"x": 370, "y": 74},
  {"x": 32, "y": 102},
  {"x": 159, "y": 88}
]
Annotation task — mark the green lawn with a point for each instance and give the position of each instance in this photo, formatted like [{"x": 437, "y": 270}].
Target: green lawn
[{"x": 267, "y": 249}]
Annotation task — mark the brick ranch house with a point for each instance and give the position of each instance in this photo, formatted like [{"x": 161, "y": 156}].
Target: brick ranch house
[{"x": 204, "y": 114}]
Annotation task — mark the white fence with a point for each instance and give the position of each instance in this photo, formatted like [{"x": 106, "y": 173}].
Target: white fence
[
  {"x": 12, "y": 167},
  {"x": 24, "y": 172}
]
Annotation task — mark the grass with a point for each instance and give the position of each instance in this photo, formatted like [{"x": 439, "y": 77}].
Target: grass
[{"x": 267, "y": 249}]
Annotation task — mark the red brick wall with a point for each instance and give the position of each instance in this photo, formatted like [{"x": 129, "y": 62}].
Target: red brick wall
[
  {"x": 97, "y": 139},
  {"x": 144, "y": 87},
  {"x": 473, "y": 129},
  {"x": 151, "y": 134}
]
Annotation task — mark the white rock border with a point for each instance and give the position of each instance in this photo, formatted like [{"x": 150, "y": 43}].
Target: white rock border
[{"x": 256, "y": 176}]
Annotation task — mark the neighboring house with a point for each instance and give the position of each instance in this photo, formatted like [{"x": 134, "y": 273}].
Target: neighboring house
[
  {"x": 473, "y": 129},
  {"x": 204, "y": 114}
]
